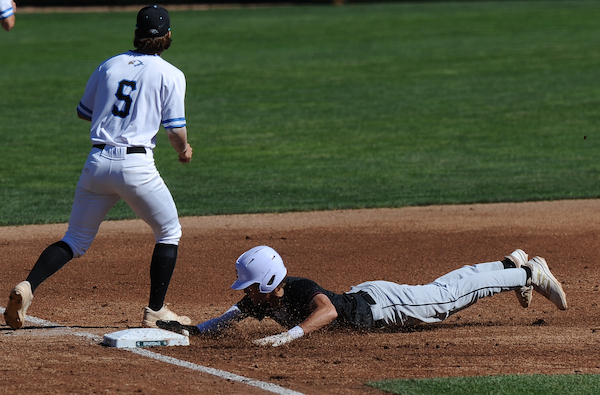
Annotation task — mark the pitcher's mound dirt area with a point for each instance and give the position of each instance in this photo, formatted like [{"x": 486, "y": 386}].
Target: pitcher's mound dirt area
[{"x": 106, "y": 290}]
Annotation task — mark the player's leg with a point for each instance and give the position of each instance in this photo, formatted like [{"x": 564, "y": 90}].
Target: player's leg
[
  {"x": 148, "y": 196},
  {"x": 535, "y": 272},
  {"x": 468, "y": 270},
  {"x": 466, "y": 291},
  {"x": 515, "y": 260},
  {"x": 94, "y": 197},
  {"x": 167, "y": 230},
  {"x": 88, "y": 211},
  {"x": 162, "y": 266},
  {"x": 401, "y": 304},
  {"x": 50, "y": 261}
]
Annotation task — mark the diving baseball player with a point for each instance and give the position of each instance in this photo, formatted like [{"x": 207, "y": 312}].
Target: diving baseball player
[
  {"x": 7, "y": 14},
  {"x": 303, "y": 306},
  {"x": 126, "y": 100}
]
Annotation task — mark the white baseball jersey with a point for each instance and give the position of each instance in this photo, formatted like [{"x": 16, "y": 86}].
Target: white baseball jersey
[
  {"x": 126, "y": 99},
  {"x": 6, "y": 9},
  {"x": 155, "y": 86}
]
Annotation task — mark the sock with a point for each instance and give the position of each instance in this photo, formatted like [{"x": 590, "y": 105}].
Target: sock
[
  {"x": 529, "y": 274},
  {"x": 508, "y": 264},
  {"x": 161, "y": 271},
  {"x": 50, "y": 261}
]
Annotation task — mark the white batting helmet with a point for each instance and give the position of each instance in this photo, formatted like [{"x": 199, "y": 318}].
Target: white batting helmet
[{"x": 261, "y": 265}]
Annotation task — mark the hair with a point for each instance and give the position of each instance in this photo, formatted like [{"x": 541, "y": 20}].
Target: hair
[
  {"x": 152, "y": 45},
  {"x": 282, "y": 284}
]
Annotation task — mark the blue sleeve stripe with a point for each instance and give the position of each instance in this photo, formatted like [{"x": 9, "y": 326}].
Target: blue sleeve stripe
[
  {"x": 173, "y": 120},
  {"x": 174, "y": 123},
  {"x": 174, "y": 126},
  {"x": 6, "y": 13},
  {"x": 83, "y": 109}
]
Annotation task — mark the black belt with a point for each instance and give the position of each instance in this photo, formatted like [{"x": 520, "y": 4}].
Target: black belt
[
  {"x": 367, "y": 297},
  {"x": 130, "y": 150}
]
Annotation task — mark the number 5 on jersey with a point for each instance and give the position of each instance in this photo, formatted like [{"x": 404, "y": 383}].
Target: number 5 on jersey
[{"x": 125, "y": 89}]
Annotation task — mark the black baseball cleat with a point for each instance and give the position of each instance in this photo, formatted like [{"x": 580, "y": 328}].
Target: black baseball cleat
[{"x": 175, "y": 326}]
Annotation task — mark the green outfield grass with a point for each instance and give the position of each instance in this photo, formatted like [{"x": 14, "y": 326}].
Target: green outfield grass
[
  {"x": 580, "y": 384},
  {"x": 323, "y": 107},
  {"x": 317, "y": 108}
]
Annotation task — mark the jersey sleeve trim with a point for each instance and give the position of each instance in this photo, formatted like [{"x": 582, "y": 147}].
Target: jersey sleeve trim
[
  {"x": 84, "y": 111},
  {"x": 174, "y": 123},
  {"x": 6, "y": 13},
  {"x": 312, "y": 296}
]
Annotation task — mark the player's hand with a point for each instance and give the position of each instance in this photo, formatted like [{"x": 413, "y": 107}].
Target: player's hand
[
  {"x": 186, "y": 156},
  {"x": 274, "y": 340}
]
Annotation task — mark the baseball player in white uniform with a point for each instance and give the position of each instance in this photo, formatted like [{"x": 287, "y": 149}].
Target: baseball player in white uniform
[
  {"x": 303, "y": 306},
  {"x": 126, "y": 100},
  {"x": 7, "y": 14}
]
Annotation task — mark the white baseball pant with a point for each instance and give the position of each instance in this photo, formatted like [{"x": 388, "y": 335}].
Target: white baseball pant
[
  {"x": 401, "y": 304},
  {"x": 112, "y": 174}
]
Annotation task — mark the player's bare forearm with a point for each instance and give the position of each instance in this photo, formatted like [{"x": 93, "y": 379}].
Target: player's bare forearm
[
  {"x": 178, "y": 139},
  {"x": 8, "y": 23},
  {"x": 323, "y": 314}
]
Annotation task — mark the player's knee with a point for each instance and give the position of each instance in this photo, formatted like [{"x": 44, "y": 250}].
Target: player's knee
[
  {"x": 169, "y": 235},
  {"x": 77, "y": 249},
  {"x": 169, "y": 239}
]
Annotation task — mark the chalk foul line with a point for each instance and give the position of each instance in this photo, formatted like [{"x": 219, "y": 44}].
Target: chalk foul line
[{"x": 276, "y": 389}]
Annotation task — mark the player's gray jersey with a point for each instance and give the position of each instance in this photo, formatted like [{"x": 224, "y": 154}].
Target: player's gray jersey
[{"x": 129, "y": 96}]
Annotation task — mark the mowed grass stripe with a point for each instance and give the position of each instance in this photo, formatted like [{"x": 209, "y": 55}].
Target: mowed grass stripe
[{"x": 322, "y": 107}]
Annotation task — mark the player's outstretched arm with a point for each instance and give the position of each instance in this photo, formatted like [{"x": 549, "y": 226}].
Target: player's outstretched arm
[
  {"x": 178, "y": 139},
  {"x": 216, "y": 325},
  {"x": 210, "y": 327},
  {"x": 323, "y": 314},
  {"x": 176, "y": 326}
]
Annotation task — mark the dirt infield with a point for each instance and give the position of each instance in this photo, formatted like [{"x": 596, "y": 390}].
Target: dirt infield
[{"x": 106, "y": 290}]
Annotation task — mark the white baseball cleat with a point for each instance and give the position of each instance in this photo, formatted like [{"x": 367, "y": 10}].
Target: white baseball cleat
[
  {"x": 525, "y": 294},
  {"x": 19, "y": 301},
  {"x": 545, "y": 283},
  {"x": 164, "y": 314}
]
